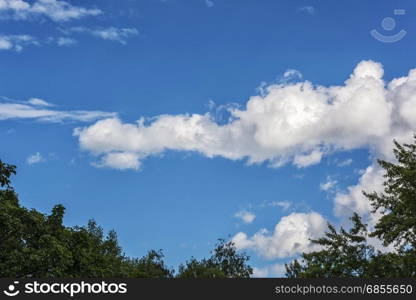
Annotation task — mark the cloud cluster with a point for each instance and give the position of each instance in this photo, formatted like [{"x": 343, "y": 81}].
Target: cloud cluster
[
  {"x": 290, "y": 237},
  {"x": 292, "y": 233},
  {"x": 40, "y": 110},
  {"x": 290, "y": 122},
  {"x": 17, "y": 42},
  {"x": 296, "y": 123},
  {"x": 56, "y": 10}
]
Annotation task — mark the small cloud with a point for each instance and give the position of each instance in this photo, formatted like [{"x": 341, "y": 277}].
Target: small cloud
[
  {"x": 39, "y": 102},
  {"x": 34, "y": 158},
  {"x": 245, "y": 216},
  {"x": 112, "y": 33},
  {"x": 328, "y": 185},
  {"x": 292, "y": 74},
  {"x": 284, "y": 205},
  {"x": 345, "y": 163},
  {"x": 209, "y": 3},
  {"x": 313, "y": 158},
  {"x": 309, "y": 9},
  {"x": 298, "y": 176},
  {"x": 65, "y": 41},
  {"x": 120, "y": 161}
]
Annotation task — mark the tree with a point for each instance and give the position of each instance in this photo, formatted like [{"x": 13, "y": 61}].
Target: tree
[
  {"x": 151, "y": 265},
  {"x": 398, "y": 202},
  {"x": 34, "y": 244},
  {"x": 6, "y": 171},
  {"x": 347, "y": 254},
  {"x": 225, "y": 262},
  {"x": 344, "y": 254}
]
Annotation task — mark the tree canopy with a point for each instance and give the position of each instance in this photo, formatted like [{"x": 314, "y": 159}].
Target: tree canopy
[
  {"x": 224, "y": 262},
  {"x": 33, "y": 244},
  {"x": 349, "y": 254}
]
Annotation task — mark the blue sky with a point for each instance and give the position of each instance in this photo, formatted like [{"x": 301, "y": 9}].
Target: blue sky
[{"x": 255, "y": 115}]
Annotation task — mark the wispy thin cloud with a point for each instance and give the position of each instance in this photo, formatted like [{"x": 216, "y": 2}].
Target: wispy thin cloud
[
  {"x": 112, "y": 33},
  {"x": 328, "y": 185},
  {"x": 65, "y": 41},
  {"x": 40, "y": 110},
  {"x": 345, "y": 163},
  {"x": 209, "y": 3},
  {"x": 284, "y": 205},
  {"x": 308, "y": 9}
]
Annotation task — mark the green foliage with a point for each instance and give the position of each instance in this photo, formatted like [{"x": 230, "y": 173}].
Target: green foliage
[
  {"x": 343, "y": 254},
  {"x": 150, "y": 266},
  {"x": 36, "y": 245},
  {"x": 33, "y": 244},
  {"x": 5, "y": 172},
  {"x": 398, "y": 202},
  {"x": 224, "y": 262},
  {"x": 348, "y": 254}
]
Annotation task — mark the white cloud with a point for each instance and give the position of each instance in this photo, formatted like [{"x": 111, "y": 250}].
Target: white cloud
[
  {"x": 17, "y": 42},
  {"x": 345, "y": 163},
  {"x": 246, "y": 216},
  {"x": 55, "y": 10},
  {"x": 284, "y": 205},
  {"x": 294, "y": 122},
  {"x": 308, "y": 9},
  {"x": 38, "y": 109},
  {"x": 65, "y": 41},
  {"x": 34, "y": 158},
  {"x": 307, "y": 160},
  {"x": 120, "y": 161},
  {"x": 275, "y": 270},
  {"x": 290, "y": 237},
  {"x": 112, "y": 33},
  {"x": 353, "y": 199},
  {"x": 38, "y": 102},
  {"x": 292, "y": 74},
  {"x": 328, "y": 185}
]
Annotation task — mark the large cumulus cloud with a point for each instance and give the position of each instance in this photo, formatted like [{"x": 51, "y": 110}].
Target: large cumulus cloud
[{"x": 289, "y": 122}]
